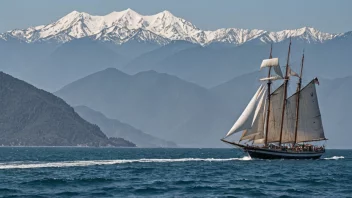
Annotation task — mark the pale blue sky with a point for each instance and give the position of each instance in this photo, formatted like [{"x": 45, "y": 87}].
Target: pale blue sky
[{"x": 328, "y": 16}]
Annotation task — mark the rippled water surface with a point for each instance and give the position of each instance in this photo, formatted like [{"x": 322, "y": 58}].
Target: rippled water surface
[{"x": 111, "y": 172}]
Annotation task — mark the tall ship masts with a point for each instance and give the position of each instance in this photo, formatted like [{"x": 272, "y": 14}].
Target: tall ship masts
[{"x": 279, "y": 126}]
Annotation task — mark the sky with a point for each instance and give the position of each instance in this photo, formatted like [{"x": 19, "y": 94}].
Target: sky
[{"x": 272, "y": 15}]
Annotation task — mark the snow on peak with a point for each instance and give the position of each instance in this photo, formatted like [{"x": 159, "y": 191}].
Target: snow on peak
[
  {"x": 306, "y": 33},
  {"x": 161, "y": 28}
]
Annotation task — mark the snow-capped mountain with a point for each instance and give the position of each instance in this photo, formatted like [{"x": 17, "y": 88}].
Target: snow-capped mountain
[
  {"x": 161, "y": 28},
  {"x": 120, "y": 35}
]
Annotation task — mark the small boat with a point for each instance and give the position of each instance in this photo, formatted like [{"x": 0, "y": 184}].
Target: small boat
[{"x": 275, "y": 126}]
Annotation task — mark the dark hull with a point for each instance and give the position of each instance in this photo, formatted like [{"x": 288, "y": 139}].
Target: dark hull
[
  {"x": 272, "y": 154},
  {"x": 263, "y": 153}
]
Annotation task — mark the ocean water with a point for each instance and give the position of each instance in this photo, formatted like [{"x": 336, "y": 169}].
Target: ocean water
[{"x": 133, "y": 172}]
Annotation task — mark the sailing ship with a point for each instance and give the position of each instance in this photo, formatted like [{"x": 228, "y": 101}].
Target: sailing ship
[{"x": 275, "y": 126}]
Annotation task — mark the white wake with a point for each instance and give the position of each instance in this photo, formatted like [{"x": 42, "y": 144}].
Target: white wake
[
  {"x": 334, "y": 158},
  {"x": 21, "y": 165}
]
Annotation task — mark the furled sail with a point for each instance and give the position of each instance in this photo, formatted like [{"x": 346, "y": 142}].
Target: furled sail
[
  {"x": 272, "y": 62},
  {"x": 246, "y": 119},
  {"x": 275, "y": 116},
  {"x": 310, "y": 125},
  {"x": 271, "y": 78},
  {"x": 258, "y": 121},
  {"x": 289, "y": 123}
]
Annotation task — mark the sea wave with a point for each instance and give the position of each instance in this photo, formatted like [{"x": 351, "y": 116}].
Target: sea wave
[
  {"x": 17, "y": 165},
  {"x": 334, "y": 158}
]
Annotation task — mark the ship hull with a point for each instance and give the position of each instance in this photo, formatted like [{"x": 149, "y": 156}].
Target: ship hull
[
  {"x": 273, "y": 154},
  {"x": 264, "y": 153}
]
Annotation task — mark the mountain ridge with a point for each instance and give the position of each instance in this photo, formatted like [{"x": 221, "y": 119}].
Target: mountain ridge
[
  {"x": 34, "y": 117},
  {"x": 160, "y": 28}
]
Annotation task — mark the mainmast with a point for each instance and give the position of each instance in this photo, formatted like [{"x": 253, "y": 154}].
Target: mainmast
[
  {"x": 269, "y": 84},
  {"x": 298, "y": 96},
  {"x": 285, "y": 92}
]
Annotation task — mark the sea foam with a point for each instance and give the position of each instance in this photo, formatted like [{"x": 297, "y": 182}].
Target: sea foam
[
  {"x": 334, "y": 158},
  {"x": 23, "y": 165}
]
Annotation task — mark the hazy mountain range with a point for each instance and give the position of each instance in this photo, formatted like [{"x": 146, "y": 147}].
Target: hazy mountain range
[
  {"x": 201, "y": 80},
  {"x": 117, "y": 129},
  {"x": 159, "y": 104}
]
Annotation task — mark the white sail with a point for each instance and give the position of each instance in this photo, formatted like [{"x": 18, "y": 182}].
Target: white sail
[
  {"x": 272, "y": 62},
  {"x": 258, "y": 120},
  {"x": 275, "y": 115},
  {"x": 271, "y": 78},
  {"x": 310, "y": 125},
  {"x": 259, "y": 111},
  {"x": 245, "y": 120},
  {"x": 289, "y": 123}
]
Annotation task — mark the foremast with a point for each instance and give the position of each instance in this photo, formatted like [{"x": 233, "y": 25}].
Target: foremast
[{"x": 268, "y": 112}]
